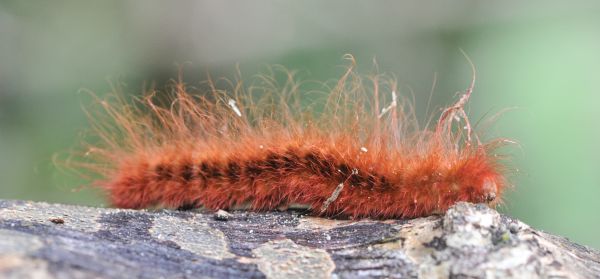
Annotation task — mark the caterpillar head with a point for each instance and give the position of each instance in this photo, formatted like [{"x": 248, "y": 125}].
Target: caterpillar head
[
  {"x": 476, "y": 178},
  {"x": 480, "y": 182},
  {"x": 490, "y": 190}
]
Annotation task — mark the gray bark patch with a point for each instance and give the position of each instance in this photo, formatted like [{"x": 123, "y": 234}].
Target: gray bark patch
[
  {"x": 192, "y": 235},
  {"x": 286, "y": 259}
]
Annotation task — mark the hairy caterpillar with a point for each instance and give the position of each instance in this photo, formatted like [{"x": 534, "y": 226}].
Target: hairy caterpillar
[{"x": 361, "y": 154}]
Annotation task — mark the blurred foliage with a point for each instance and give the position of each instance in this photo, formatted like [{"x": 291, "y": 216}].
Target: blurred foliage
[{"x": 542, "y": 58}]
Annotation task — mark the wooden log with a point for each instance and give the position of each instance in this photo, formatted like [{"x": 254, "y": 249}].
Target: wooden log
[{"x": 470, "y": 241}]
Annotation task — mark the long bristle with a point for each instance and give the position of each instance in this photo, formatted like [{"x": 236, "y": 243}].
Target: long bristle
[{"x": 359, "y": 152}]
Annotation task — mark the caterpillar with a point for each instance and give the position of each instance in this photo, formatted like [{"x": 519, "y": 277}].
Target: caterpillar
[{"x": 356, "y": 152}]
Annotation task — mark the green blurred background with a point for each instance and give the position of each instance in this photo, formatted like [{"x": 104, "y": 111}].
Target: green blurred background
[{"x": 538, "y": 56}]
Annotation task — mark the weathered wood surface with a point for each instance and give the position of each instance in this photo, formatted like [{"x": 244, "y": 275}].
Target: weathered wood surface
[{"x": 39, "y": 240}]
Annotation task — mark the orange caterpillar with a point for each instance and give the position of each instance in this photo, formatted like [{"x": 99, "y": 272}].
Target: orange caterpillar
[{"x": 261, "y": 147}]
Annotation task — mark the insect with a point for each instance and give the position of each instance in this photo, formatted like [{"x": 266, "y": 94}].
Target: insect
[
  {"x": 358, "y": 152},
  {"x": 57, "y": 221}
]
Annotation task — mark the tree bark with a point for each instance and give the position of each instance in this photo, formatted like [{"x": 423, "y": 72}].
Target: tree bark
[{"x": 470, "y": 241}]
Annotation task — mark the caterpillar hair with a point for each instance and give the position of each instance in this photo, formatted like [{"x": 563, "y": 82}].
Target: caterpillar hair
[{"x": 358, "y": 152}]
